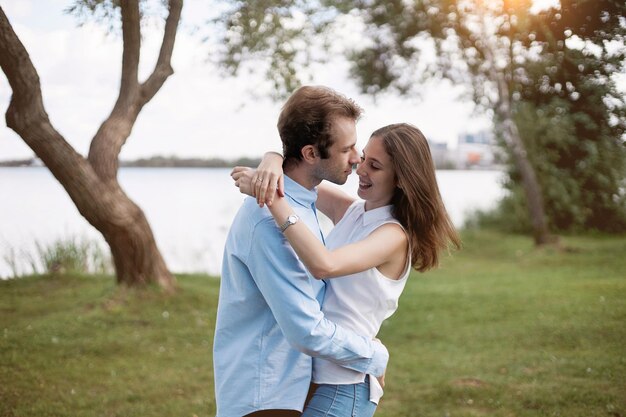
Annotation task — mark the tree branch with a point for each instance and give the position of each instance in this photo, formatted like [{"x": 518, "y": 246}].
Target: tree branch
[
  {"x": 112, "y": 135},
  {"x": 131, "y": 35},
  {"x": 26, "y": 115},
  {"x": 20, "y": 73},
  {"x": 163, "y": 68}
]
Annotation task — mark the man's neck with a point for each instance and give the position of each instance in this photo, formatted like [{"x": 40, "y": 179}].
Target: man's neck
[{"x": 302, "y": 176}]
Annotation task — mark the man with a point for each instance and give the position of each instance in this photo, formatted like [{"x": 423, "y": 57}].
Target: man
[{"x": 269, "y": 321}]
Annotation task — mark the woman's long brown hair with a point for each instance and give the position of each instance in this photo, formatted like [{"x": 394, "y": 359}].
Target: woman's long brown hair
[{"x": 417, "y": 203}]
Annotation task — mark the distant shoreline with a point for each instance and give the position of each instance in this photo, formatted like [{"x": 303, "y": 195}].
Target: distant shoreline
[
  {"x": 154, "y": 162},
  {"x": 174, "y": 162}
]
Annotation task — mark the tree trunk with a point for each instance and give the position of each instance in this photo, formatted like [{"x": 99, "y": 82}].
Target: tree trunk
[
  {"x": 530, "y": 184},
  {"x": 135, "y": 254},
  {"x": 505, "y": 123},
  {"x": 92, "y": 185}
]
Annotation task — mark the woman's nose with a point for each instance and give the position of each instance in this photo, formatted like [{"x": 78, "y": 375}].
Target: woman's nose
[{"x": 360, "y": 169}]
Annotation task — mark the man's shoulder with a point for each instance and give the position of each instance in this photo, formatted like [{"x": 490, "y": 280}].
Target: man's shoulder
[
  {"x": 251, "y": 218},
  {"x": 249, "y": 222},
  {"x": 251, "y": 211}
]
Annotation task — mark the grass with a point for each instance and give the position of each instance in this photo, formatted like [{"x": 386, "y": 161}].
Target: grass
[
  {"x": 78, "y": 346},
  {"x": 501, "y": 329},
  {"x": 69, "y": 255}
]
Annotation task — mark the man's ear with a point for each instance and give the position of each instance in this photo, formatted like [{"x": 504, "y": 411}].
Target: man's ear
[{"x": 310, "y": 154}]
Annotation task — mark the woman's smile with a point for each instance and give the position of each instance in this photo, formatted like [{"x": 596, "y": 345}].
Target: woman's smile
[{"x": 364, "y": 184}]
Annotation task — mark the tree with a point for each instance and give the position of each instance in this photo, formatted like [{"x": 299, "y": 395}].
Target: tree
[
  {"x": 572, "y": 119},
  {"x": 572, "y": 116},
  {"x": 577, "y": 147},
  {"x": 477, "y": 45},
  {"x": 497, "y": 49},
  {"x": 91, "y": 182}
]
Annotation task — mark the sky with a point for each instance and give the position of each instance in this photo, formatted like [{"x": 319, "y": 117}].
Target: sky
[{"x": 197, "y": 113}]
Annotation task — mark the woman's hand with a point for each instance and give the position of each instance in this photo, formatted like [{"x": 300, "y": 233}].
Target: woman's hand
[
  {"x": 268, "y": 179},
  {"x": 243, "y": 179}
]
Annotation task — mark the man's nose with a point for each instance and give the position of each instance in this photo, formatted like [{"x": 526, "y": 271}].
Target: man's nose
[{"x": 354, "y": 157}]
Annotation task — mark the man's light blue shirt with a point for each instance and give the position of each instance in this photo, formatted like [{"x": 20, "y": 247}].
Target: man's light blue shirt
[{"x": 269, "y": 321}]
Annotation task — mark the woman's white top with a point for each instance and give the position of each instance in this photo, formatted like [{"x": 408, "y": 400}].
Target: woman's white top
[{"x": 359, "y": 302}]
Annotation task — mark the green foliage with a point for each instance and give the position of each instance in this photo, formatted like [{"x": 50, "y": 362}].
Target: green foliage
[
  {"x": 583, "y": 180},
  {"x": 277, "y": 38},
  {"x": 501, "y": 329},
  {"x": 594, "y": 20},
  {"x": 108, "y": 12},
  {"x": 104, "y": 11},
  {"x": 510, "y": 215},
  {"x": 572, "y": 117},
  {"x": 567, "y": 108}
]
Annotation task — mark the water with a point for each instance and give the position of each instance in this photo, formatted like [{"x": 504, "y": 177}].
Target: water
[{"x": 189, "y": 209}]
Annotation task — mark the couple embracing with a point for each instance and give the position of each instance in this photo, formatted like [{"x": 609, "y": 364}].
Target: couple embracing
[{"x": 298, "y": 312}]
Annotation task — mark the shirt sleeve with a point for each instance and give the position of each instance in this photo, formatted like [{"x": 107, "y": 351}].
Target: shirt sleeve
[{"x": 287, "y": 289}]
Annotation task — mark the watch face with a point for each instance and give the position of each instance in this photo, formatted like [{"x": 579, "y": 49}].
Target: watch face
[{"x": 291, "y": 219}]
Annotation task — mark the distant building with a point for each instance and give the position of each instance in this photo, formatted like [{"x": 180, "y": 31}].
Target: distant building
[
  {"x": 475, "y": 150},
  {"x": 440, "y": 154}
]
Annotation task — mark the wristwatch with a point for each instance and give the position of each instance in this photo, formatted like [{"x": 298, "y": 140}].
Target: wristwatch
[{"x": 292, "y": 219}]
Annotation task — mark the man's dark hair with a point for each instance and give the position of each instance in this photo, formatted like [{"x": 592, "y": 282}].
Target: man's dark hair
[{"x": 306, "y": 119}]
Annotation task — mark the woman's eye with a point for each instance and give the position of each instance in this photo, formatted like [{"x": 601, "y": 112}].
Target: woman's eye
[{"x": 362, "y": 158}]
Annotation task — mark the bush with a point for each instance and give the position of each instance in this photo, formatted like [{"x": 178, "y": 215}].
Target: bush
[{"x": 509, "y": 216}]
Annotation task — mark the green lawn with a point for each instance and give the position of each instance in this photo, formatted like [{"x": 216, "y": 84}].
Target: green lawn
[{"x": 501, "y": 329}]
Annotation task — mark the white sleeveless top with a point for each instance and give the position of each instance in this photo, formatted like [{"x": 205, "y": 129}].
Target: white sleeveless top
[{"x": 359, "y": 302}]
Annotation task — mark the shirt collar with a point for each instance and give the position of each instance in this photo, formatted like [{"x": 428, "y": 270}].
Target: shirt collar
[
  {"x": 377, "y": 214},
  {"x": 299, "y": 194}
]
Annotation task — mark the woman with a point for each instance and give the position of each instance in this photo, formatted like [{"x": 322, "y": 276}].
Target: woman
[{"x": 401, "y": 223}]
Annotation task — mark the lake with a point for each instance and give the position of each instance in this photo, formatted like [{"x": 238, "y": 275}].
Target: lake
[{"x": 189, "y": 209}]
